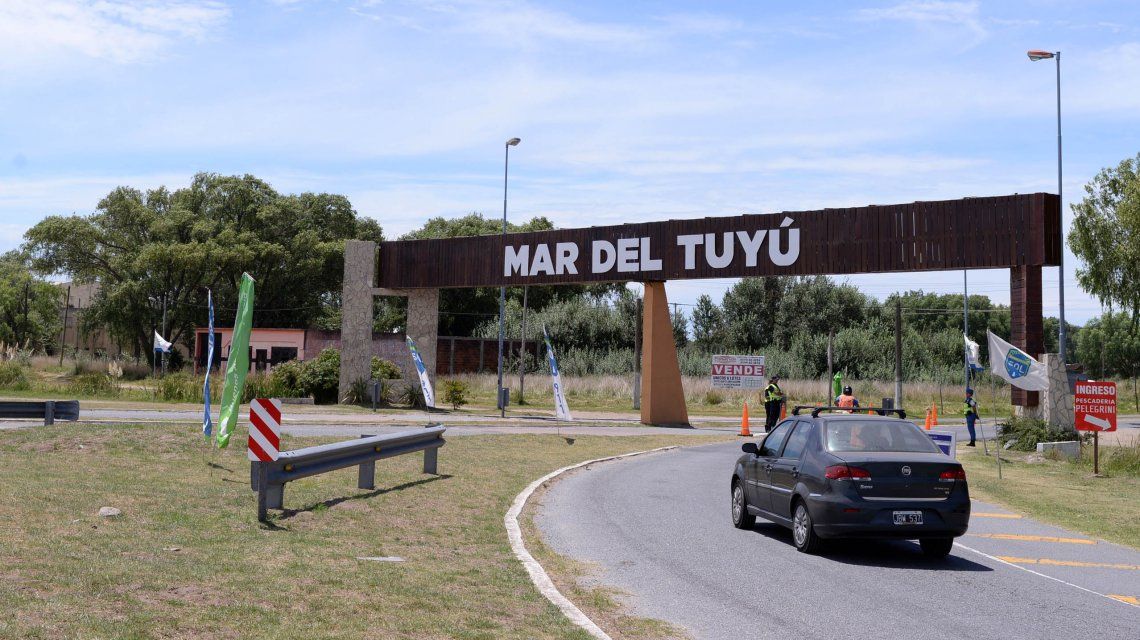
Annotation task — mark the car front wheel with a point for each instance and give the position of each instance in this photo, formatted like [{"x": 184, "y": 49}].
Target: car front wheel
[
  {"x": 803, "y": 532},
  {"x": 741, "y": 519}
]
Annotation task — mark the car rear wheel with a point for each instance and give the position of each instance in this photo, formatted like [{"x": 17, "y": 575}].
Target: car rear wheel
[
  {"x": 741, "y": 519},
  {"x": 936, "y": 547},
  {"x": 803, "y": 531}
]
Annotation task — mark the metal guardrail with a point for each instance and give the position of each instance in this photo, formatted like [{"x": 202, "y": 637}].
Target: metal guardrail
[
  {"x": 268, "y": 478},
  {"x": 49, "y": 411}
]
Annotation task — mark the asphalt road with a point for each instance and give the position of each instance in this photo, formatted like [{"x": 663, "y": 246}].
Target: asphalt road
[{"x": 658, "y": 528}]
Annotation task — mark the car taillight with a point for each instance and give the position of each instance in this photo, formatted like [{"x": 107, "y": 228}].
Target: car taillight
[
  {"x": 841, "y": 471},
  {"x": 950, "y": 475}
]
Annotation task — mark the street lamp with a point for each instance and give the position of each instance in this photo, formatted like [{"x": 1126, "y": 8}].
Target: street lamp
[
  {"x": 513, "y": 142},
  {"x": 1035, "y": 55}
]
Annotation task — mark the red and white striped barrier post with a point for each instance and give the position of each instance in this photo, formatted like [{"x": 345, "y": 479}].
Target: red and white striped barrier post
[
  {"x": 264, "y": 429},
  {"x": 264, "y": 447}
]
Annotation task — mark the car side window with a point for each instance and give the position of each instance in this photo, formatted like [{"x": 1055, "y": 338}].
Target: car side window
[
  {"x": 775, "y": 440},
  {"x": 797, "y": 442}
]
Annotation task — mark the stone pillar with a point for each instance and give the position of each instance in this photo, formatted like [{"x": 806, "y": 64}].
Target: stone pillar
[
  {"x": 1026, "y": 326},
  {"x": 1056, "y": 401},
  {"x": 423, "y": 327},
  {"x": 662, "y": 398},
  {"x": 356, "y": 313}
]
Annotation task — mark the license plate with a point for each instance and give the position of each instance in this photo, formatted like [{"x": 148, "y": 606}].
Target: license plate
[{"x": 908, "y": 517}]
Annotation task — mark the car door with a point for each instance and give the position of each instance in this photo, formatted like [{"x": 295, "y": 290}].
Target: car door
[
  {"x": 762, "y": 465},
  {"x": 785, "y": 470}
]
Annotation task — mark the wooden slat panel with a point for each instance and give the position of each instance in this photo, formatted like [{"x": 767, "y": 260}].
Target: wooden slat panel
[{"x": 971, "y": 233}]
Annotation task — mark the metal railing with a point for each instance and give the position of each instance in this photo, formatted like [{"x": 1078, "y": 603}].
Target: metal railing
[
  {"x": 268, "y": 478},
  {"x": 49, "y": 411}
]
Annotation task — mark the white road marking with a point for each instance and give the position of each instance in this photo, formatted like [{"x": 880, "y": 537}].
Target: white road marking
[
  {"x": 1037, "y": 573},
  {"x": 537, "y": 574}
]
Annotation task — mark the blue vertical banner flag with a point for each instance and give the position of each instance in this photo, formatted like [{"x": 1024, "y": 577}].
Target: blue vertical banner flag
[
  {"x": 425, "y": 382},
  {"x": 207, "y": 422},
  {"x": 561, "y": 409}
]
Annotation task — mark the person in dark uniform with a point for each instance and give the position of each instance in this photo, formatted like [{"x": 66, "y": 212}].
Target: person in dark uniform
[
  {"x": 971, "y": 415},
  {"x": 773, "y": 397}
]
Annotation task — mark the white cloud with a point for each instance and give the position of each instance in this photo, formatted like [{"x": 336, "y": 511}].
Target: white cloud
[
  {"x": 933, "y": 15},
  {"x": 47, "y": 31}
]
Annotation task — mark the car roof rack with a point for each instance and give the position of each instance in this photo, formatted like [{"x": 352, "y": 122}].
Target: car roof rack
[{"x": 816, "y": 410}]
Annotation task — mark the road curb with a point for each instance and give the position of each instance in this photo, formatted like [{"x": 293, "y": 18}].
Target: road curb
[{"x": 537, "y": 574}]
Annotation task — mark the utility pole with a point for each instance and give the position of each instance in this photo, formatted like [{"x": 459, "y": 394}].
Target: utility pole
[
  {"x": 830, "y": 369},
  {"x": 63, "y": 332},
  {"x": 523, "y": 354},
  {"x": 965, "y": 328},
  {"x": 898, "y": 354},
  {"x": 637, "y": 357},
  {"x": 27, "y": 307},
  {"x": 164, "y": 332}
]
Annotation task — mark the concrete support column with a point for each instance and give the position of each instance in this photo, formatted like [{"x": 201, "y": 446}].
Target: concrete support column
[
  {"x": 356, "y": 313},
  {"x": 423, "y": 327},
  {"x": 1057, "y": 401},
  {"x": 662, "y": 398},
  {"x": 1026, "y": 326}
]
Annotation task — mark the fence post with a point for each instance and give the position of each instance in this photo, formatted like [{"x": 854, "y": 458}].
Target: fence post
[
  {"x": 366, "y": 477},
  {"x": 430, "y": 457},
  {"x": 49, "y": 413},
  {"x": 263, "y": 491}
]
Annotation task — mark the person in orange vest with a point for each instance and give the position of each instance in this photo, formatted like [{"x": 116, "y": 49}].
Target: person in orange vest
[{"x": 847, "y": 400}]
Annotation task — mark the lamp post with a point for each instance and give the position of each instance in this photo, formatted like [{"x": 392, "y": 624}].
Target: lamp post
[
  {"x": 1035, "y": 55},
  {"x": 513, "y": 142}
]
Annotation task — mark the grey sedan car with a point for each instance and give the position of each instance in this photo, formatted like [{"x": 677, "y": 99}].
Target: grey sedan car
[{"x": 832, "y": 474}]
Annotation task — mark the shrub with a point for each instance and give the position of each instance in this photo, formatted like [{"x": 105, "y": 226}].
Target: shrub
[
  {"x": 1025, "y": 433},
  {"x": 95, "y": 384},
  {"x": 257, "y": 385},
  {"x": 13, "y": 376},
  {"x": 455, "y": 392},
  {"x": 411, "y": 395},
  {"x": 713, "y": 397},
  {"x": 320, "y": 377},
  {"x": 358, "y": 392},
  {"x": 385, "y": 370},
  {"x": 285, "y": 380},
  {"x": 179, "y": 387}
]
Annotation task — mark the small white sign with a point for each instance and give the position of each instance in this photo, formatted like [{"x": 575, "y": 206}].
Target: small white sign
[
  {"x": 738, "y": 372},
  {"x": 947, "y": 441}
]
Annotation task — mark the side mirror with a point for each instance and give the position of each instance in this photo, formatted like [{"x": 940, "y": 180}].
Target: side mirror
[{"x": 750, "y": 447}]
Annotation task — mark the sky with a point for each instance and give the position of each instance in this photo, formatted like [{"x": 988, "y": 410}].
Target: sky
[{"x": 631, "y": 111}]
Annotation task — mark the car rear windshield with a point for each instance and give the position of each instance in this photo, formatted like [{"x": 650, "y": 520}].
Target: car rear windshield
[{"x": 877, "y": 435}]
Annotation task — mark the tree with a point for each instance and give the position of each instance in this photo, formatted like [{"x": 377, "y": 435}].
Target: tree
[
  {"x": 147, "y": 249},
  {"x": 1109, "y": 345},
  {"x": 708, "y": 323},
  {"x": 680, "y": 328},
  {"x": 29, "y": 306},
  {"x": 1106, "y": 237},
  {"x": 462, "y": 311},
  {"x": 749, "y": 309}
]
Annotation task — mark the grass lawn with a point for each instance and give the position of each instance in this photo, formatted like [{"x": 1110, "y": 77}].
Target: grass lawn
[
  {"x": 187, "y": 557},
  {"x": 1060, "y": 493}
]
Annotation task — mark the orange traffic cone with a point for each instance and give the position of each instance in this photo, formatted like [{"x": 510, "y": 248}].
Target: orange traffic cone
[
  {"x": 744, "y": 423},
  {"x": 783, "y": 411},
  {"x": 934, "y": 415},
  {"x": 927, "y": 425},
  {"x": 870, "y": 412}
]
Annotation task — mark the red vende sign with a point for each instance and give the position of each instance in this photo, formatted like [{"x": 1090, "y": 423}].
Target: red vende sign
[
  {"x": 1095, "y": 406},
  {"x": 738, "y": 370}
]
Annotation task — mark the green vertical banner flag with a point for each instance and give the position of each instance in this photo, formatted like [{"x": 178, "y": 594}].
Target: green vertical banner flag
[
  {"x": 837, "y": 385},
  {"x": 238, "y": 365}
]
